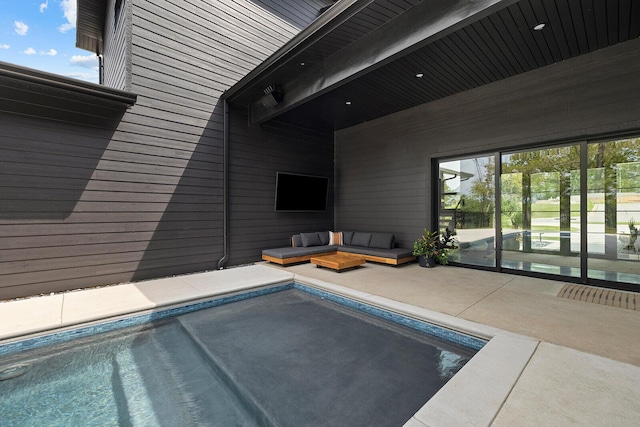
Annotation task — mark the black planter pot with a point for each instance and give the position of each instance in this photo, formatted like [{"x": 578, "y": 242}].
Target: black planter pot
[{"x": 429, "y": 262}]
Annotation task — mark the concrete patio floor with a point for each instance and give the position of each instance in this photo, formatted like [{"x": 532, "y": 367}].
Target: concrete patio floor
[{"x": 585, "y": 369}]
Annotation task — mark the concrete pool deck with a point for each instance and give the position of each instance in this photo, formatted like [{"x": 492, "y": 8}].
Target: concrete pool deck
[{"x": 580, "y": 362}]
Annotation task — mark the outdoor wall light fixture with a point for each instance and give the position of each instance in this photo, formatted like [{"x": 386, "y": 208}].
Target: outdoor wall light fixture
[
  {"x": 540, "y": 26},
  {"x": 273, "y": 95},
  {"x": 420, "y": 75},
  {"x": 348, "y": 103}
]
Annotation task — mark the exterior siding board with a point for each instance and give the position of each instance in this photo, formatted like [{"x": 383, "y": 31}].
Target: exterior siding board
[
  {"x": 584, "y": 97},
  {"x": 94, "y": 204},
  {"x": 239, "y": 33},
  {"x": 117, "y": 48},
  {"x": 256, "y": 155}
]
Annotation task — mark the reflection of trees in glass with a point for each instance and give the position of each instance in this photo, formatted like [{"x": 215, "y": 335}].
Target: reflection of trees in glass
[
  {"x": 616, "y": 163},
  {"x": 511, "y": 199},
  {"x": 551, "y": 176},
  {"x": 546, "y": 178},
  {"x": 629, "y": 177},
  {"x": 610, "y": 154},
  {"x": 478, "y": 205},
  {"x": 545, "y": 185},
  {"x": 556, "y": 159}
]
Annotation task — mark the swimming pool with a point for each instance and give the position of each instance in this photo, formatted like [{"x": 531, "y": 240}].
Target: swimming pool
[{"x": 296, "y": 355}]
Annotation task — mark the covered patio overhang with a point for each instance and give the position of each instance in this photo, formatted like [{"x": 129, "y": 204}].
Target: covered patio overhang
[{"x": 365, "y": 59}]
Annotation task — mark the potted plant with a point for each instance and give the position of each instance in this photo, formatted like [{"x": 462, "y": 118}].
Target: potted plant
[{"x": 433, "y": 247}]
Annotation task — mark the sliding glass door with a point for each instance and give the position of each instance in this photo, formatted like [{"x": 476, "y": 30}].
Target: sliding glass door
[
  {"x": 467, "y": 206},
  {"x": 614, "y": 210},
  {"x": 540, "y": 210},
  {"x": 571, "y": 210}
]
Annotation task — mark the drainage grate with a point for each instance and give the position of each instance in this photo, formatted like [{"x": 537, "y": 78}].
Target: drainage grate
[{"x": 603, "y": 296}]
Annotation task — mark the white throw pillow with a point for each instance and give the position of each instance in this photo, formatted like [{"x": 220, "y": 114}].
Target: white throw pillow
[{"x": 335, "y": 237}]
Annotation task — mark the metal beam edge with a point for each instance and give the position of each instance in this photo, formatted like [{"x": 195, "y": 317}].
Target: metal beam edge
[{"x": 423, "y": 24}]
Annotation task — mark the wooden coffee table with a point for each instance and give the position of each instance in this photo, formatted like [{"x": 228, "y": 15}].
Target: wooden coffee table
[{"x": 337, "y": 262}]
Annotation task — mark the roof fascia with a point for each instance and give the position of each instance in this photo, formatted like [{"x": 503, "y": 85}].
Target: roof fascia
[{"x": 28, "y": 76}]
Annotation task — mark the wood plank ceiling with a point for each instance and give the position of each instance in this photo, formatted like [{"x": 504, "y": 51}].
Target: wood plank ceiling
[
  {"x": 362, "y": 23},
  {"x": 495, "y": 47}
]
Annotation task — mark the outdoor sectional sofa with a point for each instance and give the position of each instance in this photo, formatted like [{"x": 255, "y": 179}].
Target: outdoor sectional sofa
[{"x": 375, "y": 247}]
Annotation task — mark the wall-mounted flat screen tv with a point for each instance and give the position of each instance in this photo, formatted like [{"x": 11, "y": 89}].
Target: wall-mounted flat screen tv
[{"x": 301, "y": 193}]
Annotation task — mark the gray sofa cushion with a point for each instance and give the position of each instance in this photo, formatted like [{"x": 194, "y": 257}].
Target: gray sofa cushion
[
  {"x": 361, "y": 239},
  {"x": 394, "y": 253},
  {"x": 310, "y": 239},
  {"x": 381, "y": 240},
  {"x": 324, "y": 237},
  {"x": 296, "y": 240},
  {"x": 346, "y": 237},
  {"x": 283, "y": 253}
]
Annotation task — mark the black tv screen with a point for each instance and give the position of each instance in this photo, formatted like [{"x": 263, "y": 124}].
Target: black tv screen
[{"x": 301, "y": 193}]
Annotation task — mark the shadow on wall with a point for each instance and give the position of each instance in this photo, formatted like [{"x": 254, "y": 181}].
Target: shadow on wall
[
  {"x": 189, "y": 235},
  {"x": 52, "y": 205},
  {"x": 257, "y": 153},
  {"x": 45, "y": 166}
]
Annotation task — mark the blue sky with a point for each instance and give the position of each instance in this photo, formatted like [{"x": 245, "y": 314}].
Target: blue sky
[{"x": 41, "y": 34}]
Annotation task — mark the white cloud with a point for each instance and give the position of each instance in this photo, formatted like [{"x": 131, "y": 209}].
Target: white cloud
[
  {"x": 88, "y": 61},
  {"x": 29, "y": 51},
  {"x": 88, "y": 77},
  {"x": 4, "y": 46},
  {"x": 66, "y": 27},
  {"x": 69, "y": 10},
  {"x": 21, "y": 28},
  {"x": 51, "y": 52},
  {"x": 44, "y": 6}
]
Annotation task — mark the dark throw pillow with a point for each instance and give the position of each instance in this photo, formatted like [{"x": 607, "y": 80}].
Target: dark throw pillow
[
  {"x": 310, "y": 239},
  {"x": 346, "y": 237},
  {"x": 324, "y": 237},
  {"x": 361, "y": 239},
  {"x": 381, "y": 240}
]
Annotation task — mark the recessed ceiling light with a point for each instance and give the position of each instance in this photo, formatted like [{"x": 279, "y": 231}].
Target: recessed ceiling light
[
  {"x": 348, "y": 102},
  {"x": 540, "y": 26},
  {"x": 420, "y": 75}
]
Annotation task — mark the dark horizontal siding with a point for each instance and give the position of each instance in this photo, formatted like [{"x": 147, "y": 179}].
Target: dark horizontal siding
[
  {"x": 383, "y": 167},
  {"x": 85, "y": 205},
  {"x": 256, "y": 155}
]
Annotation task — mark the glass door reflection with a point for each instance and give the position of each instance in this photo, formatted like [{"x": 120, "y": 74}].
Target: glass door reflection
[
  {"x": 551, "y": 219},
  {"x": 613, "y": 189},
  {"x": 467, "y": 207},
  {"x": 540, "y": 210}
]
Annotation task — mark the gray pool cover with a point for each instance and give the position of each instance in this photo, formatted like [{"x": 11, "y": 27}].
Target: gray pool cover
[{"x": 296, "y": 360}]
